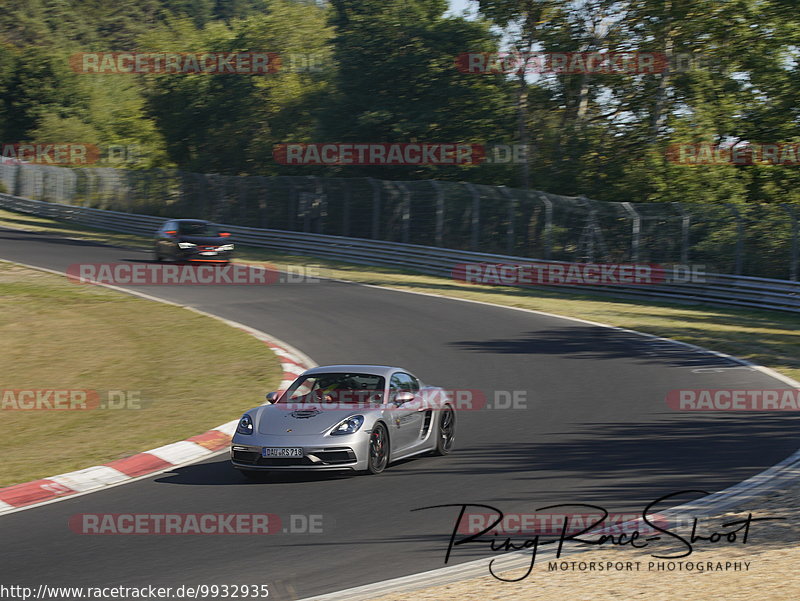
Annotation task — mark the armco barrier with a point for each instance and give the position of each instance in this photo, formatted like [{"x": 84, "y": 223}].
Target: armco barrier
[{"x": 719, "y": 289}]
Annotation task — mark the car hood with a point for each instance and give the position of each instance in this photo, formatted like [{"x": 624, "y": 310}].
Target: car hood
[{"x": 282, "y": 419}]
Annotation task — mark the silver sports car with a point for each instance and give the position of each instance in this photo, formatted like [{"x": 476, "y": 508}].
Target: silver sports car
[{"x": 344, "y": 417}]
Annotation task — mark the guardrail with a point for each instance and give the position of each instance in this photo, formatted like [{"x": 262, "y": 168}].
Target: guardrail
[{"x": 719, "y": 289}]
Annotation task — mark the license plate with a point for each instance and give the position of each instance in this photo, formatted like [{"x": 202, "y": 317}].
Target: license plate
[
  {"x": 282, "y": 452},
  {"x": 209, "y": 252}
]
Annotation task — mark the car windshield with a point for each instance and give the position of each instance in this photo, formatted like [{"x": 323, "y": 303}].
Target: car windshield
[
  {"x": 198, "y": 229},
  {"x": 336, "y": 388}
]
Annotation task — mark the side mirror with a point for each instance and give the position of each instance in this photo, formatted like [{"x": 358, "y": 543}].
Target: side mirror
[
  {"x": 403, "y": 397},
  {"x": 272, "y": 397}
]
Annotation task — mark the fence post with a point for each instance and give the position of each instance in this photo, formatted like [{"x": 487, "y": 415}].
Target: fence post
[
  {"x": 795, "y": 233},
  {"x": 406, "y": 196},
  {"x": 242, "y": 187},
  {"x": 313, "y": 207},
  {"x": 225, "y": 198},
  {"x": 346, "y": 208},
  {"x": 376, "y": 208},
  {"x": 263, "y": 200},
  {"x": 686, "y": 222},
  {"x": 636, "y": 224},
  {"x": 592, "y": 228},
  {"x": 510, "y": 233},
  {"x": 592, "y": 234},
  {"x": 129, "y": 192},
  {"x": 291, "y": 212},
  {"x": 16, "y": 188},
  {"x": 322, "y": 197},
  {"x": 548, "y": 224},
  {"x": 475, "y": 225},
  {"x": 439, "y": 235},
  {"x": 737, "y": 270}
]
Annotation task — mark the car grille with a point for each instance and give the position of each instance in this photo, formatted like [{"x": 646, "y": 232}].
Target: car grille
[
  {"x": 266, "y": 461},
  {"x": 305, "y": 413},
  {"x": 337, "y": 456},
  {"x": 245, "y": 456},
  {"x": 330, "y": 457}
]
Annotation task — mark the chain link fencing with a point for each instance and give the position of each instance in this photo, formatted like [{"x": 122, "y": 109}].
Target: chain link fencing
[{"x": 741, "y": 239}]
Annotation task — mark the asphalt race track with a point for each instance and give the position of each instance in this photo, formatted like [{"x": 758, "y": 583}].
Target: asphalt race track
[{"x": 596, "y": 430}]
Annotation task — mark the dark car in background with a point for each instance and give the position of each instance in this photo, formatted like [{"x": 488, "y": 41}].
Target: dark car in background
[{"x": 192, "y": 240}]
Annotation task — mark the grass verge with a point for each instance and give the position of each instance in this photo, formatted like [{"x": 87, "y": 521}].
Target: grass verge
[{"x": 189, "y": 373}]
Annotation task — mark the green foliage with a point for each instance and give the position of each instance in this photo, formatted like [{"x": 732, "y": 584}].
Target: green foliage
[
  {"x": 396, "y": 81},
  {"x": 229, "y": 123},
  {"x": 385, "y": 72}
]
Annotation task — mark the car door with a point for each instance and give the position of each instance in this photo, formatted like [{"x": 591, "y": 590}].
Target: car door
[
  {"x": 407, "y": 418},
  {"x": 167, "y": 241},
  {"x": 157, "y": 242}
]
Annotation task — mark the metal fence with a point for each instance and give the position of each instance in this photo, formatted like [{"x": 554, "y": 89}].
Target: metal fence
[
  {"x": 720, "y": 289},
  {"x": 741, "y": 239}
]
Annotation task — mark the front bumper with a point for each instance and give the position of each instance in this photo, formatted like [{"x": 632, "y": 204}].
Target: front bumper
[
  {"x": 201, "y": 254},
  {"x": 342, "y": 453}
]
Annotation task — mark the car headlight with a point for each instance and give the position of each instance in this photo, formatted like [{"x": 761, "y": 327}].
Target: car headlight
[
  {"x": 348, "y": 426},
  {"x": 245, "y": 425},
  {"x": 186, "y": 245},
  {"x": 226, "y": 247}
]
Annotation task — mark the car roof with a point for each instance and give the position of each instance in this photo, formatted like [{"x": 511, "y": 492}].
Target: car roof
[
  {"x": 190, "y": 220},
  {"x": 373, "y": 370}
]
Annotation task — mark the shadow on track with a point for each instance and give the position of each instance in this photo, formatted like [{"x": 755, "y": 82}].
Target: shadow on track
[
  {"x": 220, "y": 473},
  {"x": 587, "y": 342},
  {"x": 606, "y": 458}
]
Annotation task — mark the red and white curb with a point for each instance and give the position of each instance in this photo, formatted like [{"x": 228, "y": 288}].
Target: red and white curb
[{"x": 161, "y": 459}]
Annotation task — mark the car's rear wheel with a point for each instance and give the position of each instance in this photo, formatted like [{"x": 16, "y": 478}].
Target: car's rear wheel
[
  {"x": 157, "y": 255},
  {"x": 446, "y": 433},
  {"x": 378, "y": 449}
]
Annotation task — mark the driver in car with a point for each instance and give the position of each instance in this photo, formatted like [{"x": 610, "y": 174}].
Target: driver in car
[{"x": 332, "y": 392}]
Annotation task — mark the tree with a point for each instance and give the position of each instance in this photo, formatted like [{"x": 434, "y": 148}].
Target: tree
[{"x": 396, "y": 81}]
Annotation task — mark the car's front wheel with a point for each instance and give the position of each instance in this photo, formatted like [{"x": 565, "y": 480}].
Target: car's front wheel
[
  {"x": 446, "y": 433},
  {"x": 378, "y": 449}
]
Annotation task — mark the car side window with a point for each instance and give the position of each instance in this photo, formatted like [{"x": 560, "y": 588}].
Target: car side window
[
  {"x": 394, "y": 387},
  {"x": 406, "y": 382}
]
